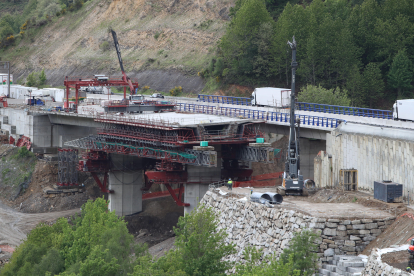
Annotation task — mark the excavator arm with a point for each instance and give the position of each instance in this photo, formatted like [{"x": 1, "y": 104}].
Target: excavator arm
[{"x": 118, "y": 52}]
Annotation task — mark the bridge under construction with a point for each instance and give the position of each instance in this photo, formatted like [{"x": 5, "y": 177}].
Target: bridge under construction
[{"x": 189, "y": 151}]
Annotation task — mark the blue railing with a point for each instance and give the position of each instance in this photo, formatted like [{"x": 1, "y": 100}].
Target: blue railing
[
  {"x": 269, "y": 116},
  {"x": 224, "y": 99},
  {"x": 345, "y": 110}
]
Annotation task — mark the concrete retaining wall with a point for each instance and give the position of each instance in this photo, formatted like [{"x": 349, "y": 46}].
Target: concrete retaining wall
[
  {"x": 376, "y": 158},
  {"x": 249, "y": 223}
]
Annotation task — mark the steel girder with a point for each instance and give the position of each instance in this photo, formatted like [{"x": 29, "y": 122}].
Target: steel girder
[
  {"x": 124, "y": 146},
  {"x": 256, "y": 154},
  {"x": 204, "y": 158}
]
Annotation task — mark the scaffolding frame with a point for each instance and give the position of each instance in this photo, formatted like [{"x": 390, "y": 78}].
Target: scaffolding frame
[{"x": 67, "y": 167}]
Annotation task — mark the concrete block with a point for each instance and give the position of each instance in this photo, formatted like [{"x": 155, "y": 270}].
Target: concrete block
[
  {"x": 331, "y": 268},
  {"x": 324, "y": 271},
  {"x": 355, "y": 269}
]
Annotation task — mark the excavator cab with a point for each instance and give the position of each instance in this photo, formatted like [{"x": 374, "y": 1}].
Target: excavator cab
[
  {"x": 411, "y": 247},
  {"x": 411, "y": 253}
]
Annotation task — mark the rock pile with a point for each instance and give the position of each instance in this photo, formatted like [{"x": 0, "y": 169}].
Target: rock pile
[{"x": 249, "y": 223}]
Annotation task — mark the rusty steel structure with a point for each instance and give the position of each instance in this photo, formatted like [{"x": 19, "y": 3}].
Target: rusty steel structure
[
  {"x": 78, "y": 82},
  {"x": 172, "y": 147}
]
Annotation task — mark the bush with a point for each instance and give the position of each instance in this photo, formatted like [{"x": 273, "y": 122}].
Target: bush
[
  {"x": 104, "y": 46},
  {"x": 320, "y": 95},
  {"x": 24, "y": 152},
  {"x": 176, "y": 91},
  {"x": 157, "y": 34},
  {"x": 302, "y": 249}
]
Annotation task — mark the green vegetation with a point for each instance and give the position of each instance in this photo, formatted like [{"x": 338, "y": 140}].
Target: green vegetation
[
  {"x": 362, "y": 46},
  {"x": 36, "y": 79},
  {"x": 97, "y": 242},
  {"x": 16, "y": 169},
  {"x": 176, "y": 91},
  {"x": 318, "y": 94},
  {"x": 36, "y": 13}
]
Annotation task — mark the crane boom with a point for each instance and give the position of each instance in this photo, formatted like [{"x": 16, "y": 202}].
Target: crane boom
[
  {"x": 118, "y": 52},
  {"x": 292, "y": 180}
]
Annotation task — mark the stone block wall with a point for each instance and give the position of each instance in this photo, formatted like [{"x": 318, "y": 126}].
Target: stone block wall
[
  {"x": 376, "y": 267},
  {"x": 249, "y": 223}
]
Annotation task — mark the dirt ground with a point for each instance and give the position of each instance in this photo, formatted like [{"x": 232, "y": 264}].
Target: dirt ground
[
  {"x": 15, "y": 226},
  {"x": 34, "y": 200},
  {"x": 398, "y": 259},
  {"x": 332, "y": 203}
]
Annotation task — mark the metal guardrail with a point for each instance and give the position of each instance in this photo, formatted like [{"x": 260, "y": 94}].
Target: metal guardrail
[
  {"x": 269, "y": 116},
  {"x": 345, "y": 110},
  {"x": 224, "y": 99},
  {"x": 314, "y": 107}
]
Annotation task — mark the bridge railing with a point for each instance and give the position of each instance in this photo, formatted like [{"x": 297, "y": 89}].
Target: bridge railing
[
  {"x": 224, "y": 99},
  {"x": 269, "y": 116},
  {"x": 345, "y": 110}
]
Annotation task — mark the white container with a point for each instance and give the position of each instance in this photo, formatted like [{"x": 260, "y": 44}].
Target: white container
[
  {"x": 270, "y": 96},
  {"x": 403, "y": 110}
]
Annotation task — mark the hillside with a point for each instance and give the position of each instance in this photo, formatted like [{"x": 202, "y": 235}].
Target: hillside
[
  {"x": 12, "y": 6},
  {"x": 163, "y": 43}
]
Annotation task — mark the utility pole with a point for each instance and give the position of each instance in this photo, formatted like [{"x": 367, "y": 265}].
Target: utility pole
[{"x": 5, "y": 65}]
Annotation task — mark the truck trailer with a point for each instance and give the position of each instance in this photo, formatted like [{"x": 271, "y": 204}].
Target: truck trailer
[
  {"x": 403, "y": 110},
  {"x": 271, "y": 96}
]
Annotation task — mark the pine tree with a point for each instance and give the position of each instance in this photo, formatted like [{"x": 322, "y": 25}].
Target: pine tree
[
  {"x": 400, "y": 75},
  {"x": 373, "y": 85}
]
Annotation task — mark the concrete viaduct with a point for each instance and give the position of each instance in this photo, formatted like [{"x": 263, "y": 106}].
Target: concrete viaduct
[{"x": 378, "y": 148}]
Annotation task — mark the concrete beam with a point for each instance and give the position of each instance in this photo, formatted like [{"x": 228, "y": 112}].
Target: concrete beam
[
  {"x": 304, "y": 132},
  {"x": 73, "y": 120}
]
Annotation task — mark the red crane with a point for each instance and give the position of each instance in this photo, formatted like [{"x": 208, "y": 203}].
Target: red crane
[{"x": 124, "y": 75}]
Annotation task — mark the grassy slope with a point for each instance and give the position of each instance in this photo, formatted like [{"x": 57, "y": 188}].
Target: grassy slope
[
  {"x": 151, "y": 36},
  {"x": 11, "y": 7}
]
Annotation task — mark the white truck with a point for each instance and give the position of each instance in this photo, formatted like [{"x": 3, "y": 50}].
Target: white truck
[
  {"x": 271, "y": 96},
  {"x": 403, "y": 110}
]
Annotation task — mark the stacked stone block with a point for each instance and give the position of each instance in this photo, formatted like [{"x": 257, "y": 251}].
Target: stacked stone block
[
  {"x": 254, "y": 224},
  {"x": 343, "y": 265}
]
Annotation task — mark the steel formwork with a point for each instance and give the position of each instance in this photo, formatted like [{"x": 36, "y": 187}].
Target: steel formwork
[
  {"x": 127, "y": 146},
  {"x": 67, "y": 167},
  {"x": 257, "y": 154}
]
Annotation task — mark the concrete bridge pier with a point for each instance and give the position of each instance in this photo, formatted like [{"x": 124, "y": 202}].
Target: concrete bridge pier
[
  {"x": 198, "y": 180},
  {"x": 126, "y": 179}
]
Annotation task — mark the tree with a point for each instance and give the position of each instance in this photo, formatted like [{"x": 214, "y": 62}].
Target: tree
[
  {"x": 32, "y": 79},
  {"x": 98, "y": 243},
  {"x": 373, "y": 85},
  {"x": 240, "y": 45},
  {"x": 42, "y": 78},
  {"x": 302, "y": 253},
  {"x": 200, "y": 246},
  {"x": 318, "y": 94},
  {"x": 400, "y": 75}
]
